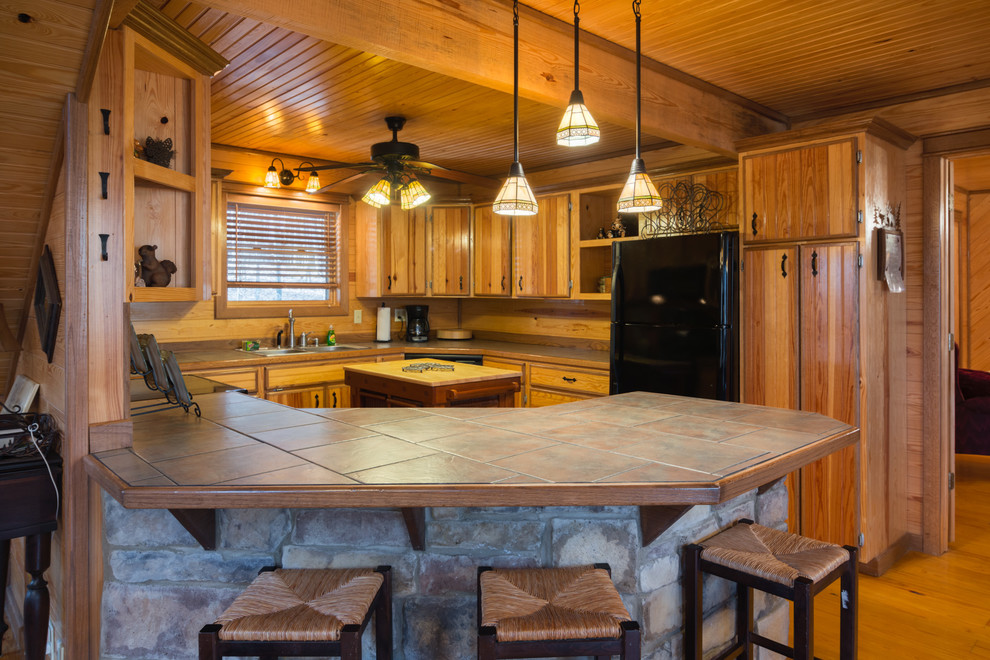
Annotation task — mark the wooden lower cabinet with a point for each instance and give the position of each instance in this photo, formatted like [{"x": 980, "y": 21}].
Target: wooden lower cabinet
[
  {"x": 327, "y": 396},
  {"x": 310, "y": 384},
  {"x": 244, "y": 378},
  {"x": 552, "y": 384},
  {"x": 512, "y": 365}
]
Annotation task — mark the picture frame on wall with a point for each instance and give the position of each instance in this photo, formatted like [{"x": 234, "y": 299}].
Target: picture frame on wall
[
  {"x": 890, "y": 258},
  {"x": 47, "y": 303}
]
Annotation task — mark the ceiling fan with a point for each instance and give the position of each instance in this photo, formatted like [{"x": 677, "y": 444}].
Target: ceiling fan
[{"x": 399, "y": 163}]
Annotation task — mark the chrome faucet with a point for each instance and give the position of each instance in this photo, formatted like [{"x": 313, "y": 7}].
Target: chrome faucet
[{"x": 292, "y": 330}]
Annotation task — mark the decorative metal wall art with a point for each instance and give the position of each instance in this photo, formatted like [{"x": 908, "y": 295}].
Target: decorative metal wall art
[
  {"x": 686, "y": 209},
  {"x": 159, "y": 152}
]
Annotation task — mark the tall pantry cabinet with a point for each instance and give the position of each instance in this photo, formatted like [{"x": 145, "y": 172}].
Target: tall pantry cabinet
[{"x": 819, "y": 331}]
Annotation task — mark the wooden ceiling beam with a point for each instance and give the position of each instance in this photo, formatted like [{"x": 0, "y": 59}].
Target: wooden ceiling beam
[{"x": 472, "y": 41}]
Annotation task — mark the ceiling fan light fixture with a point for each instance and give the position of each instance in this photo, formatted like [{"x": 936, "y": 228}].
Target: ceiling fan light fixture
[
  {"x": 639, "y": 195},
  {"x": 412, "y": 194},
  {"x": 515, "y": 196},
  {"x": 379, "y": 194},
  {"x": 577, "y": 127}
]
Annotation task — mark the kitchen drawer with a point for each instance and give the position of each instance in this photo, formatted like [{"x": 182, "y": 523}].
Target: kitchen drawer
[
  {"x": 540, "y": 398},
  {"x": 308, "y": 374},
  {"x": 563, "y": 378},
  {"x": 245, "y": 378}
]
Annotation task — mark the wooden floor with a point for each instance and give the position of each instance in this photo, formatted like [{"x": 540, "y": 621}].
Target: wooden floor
[
  {"x": 927, "y": 607},
  {"x": 924, "y": 607}
]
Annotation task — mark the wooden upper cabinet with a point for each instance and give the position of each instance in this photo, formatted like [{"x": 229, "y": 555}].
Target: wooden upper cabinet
[
  {"x": 801, "y": 193},
  {"x": 403, "y": 236},
  {"x": 450, "y": 247},
  {"x": 541, "y": 250},
  {"x": 492, "y": 256}
]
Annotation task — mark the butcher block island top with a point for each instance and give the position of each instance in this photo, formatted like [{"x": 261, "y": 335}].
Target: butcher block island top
[{"x": 430, "y": 383}]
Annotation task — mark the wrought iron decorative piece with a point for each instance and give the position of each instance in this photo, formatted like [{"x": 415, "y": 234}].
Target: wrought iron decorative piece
[
  {"x": 687, "y": 209},
  {"x": 159, "y": 152},
  {"x": 420, "y": 367}
]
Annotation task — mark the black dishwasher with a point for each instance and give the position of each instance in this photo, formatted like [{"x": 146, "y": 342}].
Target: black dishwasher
[{"x": 466, "y": 358}]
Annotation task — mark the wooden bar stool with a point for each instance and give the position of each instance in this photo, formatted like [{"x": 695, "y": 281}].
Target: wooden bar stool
[
  {"x": 779, "y": 563},
  {"x": 553, "y": 612},
  {"x": 304, "y": 612}
]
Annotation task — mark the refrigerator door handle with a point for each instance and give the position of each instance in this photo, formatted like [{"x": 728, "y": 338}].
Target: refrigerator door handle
[{"x": 616, "y": 286}]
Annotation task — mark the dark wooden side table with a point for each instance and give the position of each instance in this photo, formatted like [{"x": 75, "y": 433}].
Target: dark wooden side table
[
  {"x": 394, "y": 385},
  {"x": 28, "y": 508}
]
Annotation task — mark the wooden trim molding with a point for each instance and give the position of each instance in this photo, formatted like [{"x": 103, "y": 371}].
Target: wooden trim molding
[
  {"x": 159, "y": 28},
  {"x": 94, "y": 46}
]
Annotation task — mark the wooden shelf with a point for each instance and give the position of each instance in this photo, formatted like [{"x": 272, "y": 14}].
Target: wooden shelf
[
  {"x": 163, "y": 176},
  {"x": 601, "y": 242},
  {"x": 164, "y": 294}
]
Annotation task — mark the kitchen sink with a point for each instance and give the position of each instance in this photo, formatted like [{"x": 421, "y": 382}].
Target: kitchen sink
[
  {"x": 331, "y": 349},
  {"x": 263, "y": 352}
]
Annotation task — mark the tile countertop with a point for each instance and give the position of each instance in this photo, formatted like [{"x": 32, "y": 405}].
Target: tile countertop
[
  {"x": 628, "y": 449},
  {"x": 211, "y": 358}
]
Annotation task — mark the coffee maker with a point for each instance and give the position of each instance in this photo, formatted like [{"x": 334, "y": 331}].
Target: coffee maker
[{"x": 417, "y": 325}]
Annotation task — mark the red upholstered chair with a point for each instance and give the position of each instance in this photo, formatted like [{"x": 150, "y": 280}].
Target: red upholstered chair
[{"x": 972, "y": 411}]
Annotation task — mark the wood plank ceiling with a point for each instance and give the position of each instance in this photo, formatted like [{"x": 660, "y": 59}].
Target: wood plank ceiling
[{"x": 291, "y": 93}]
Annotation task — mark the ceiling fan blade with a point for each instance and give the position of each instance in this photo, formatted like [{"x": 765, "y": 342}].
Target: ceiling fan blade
[
  {"x": 455, "y": 175},
  {"x": 346, "y": 179},
  {"x": 338, "y": 166}
]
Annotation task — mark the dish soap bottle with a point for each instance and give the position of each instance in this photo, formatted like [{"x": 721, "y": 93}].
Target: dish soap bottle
[{"x": 331, "y": 337}]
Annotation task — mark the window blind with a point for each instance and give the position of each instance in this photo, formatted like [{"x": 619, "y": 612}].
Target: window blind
[{"x": 276, "y": 247}]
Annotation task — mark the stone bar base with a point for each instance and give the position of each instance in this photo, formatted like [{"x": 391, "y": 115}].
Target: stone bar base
[{"x": 161, "y": 587}]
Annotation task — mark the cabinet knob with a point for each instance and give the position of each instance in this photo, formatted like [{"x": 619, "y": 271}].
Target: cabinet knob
[
  {"x": 389, "y": 282},
  {"x": 569, "y": 380},
  {"x": 783, "y": 266},
  {"x": 814, "y": 263},
  {"x": 460, "y": 282},
  {"x": 503, "y": 283},
  {"x": 520, "y": 282},
  {"x": 317, "y": 401},
  {"x": 754, "y": 224},
  {"x": 334, "y": 400}
]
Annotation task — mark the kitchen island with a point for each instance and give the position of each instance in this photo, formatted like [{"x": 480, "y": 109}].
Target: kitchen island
[{"x": 626, "y": 479}]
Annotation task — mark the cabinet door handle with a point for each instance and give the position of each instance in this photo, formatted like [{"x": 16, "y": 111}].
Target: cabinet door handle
[
  {"x": 389, "y": 282},
  {"x": 317, "y": 400},
  {"x": 520, "y": 282},
  {"x": 334, "y": 400},
  {"x": 276, "y": 389},
  {"x": 783, "y": 266},
  {"x": 503, "y": 283},
  {"x": 569, "y": 380},
  {"x": 460, "y": 282},
  {"x": 814, "y": 264},
  {"x": 754, "y": 224}
]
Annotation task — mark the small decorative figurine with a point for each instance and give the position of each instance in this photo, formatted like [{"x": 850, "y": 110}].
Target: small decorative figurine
[
  {"x": 618, "y": 230},
  {"x": 601, "y": 233},
  {"x": 154, "y": 272}
]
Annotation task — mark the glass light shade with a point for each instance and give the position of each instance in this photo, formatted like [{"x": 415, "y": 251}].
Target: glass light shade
[
  {"x": 515, "y": 197},
  {"x": 577, "y": 127},
  {"x": 380, "y": 194},
  {"x": 271, "y": 178},
  {"x": 639, "y": 195},
  {"x": 313, "y": 183},
  {"x": 413, "y": 194}
]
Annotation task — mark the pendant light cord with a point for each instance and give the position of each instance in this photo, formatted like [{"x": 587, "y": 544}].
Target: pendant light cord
[
  {"x": 577, "y": 10},
  {"x": 635, "y": 6},
  {"x": 515, "y": 81}
]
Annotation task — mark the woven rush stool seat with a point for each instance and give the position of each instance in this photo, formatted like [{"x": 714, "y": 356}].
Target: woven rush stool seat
[
  {"x": 304, "y": 612},
  {"x": 783, "y": 564},
  {"x": 553, "y": 612}
]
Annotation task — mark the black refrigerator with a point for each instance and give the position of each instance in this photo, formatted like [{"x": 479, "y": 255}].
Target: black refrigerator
[{"x": 675, "y": 316}]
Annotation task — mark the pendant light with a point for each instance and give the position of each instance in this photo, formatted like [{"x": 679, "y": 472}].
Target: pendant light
[
  {"x": 577, "y": 127},
  {"x": 515, "y": 197},
  {"x": 639, "y": 194}
]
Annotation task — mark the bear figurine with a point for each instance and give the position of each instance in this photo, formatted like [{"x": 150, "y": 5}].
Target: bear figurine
[{"x": 153, "y": 271}]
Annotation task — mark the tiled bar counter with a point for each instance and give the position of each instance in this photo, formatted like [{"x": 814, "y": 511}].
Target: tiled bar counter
[{"x": 627, "y": 479}]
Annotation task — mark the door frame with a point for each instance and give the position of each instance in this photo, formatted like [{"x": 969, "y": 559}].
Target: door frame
[{"x": 938, "y": 401}]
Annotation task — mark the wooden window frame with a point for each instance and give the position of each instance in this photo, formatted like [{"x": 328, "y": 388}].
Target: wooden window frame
[{"x": 337, "y": 305}]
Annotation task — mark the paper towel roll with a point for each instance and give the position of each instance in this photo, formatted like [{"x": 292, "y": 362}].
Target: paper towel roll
[{"x": 384, "y": 332}]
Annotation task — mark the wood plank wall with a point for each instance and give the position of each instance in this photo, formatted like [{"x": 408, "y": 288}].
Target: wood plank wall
[
  {"x": 573, "y": 323},
  {"x": 960, "y": 271},
  {"x": 33, "y": 363},
  {"x": 913, "y": 243},
  {"x": 185, "y": 322},
  {"x": 977, "y": 334}
]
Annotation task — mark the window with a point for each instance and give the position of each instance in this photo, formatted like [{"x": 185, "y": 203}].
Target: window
[{"x": 282, "y": 253}]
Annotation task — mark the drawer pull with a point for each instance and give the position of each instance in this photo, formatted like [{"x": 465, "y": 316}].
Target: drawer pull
[{"x": 569, "y": 380}]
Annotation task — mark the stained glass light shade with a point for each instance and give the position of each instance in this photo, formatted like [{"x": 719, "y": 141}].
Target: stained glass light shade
[
  {"x": 380, "y": 194},
  {"x": 577, "y": 127},
  {"x": 313, "y": 183},
  {"x": 413, "y": 194},
  {"x": 515, "y": 197},
  {"x": 271, "y": 178},
  {"x": 639, "y": 195}
]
